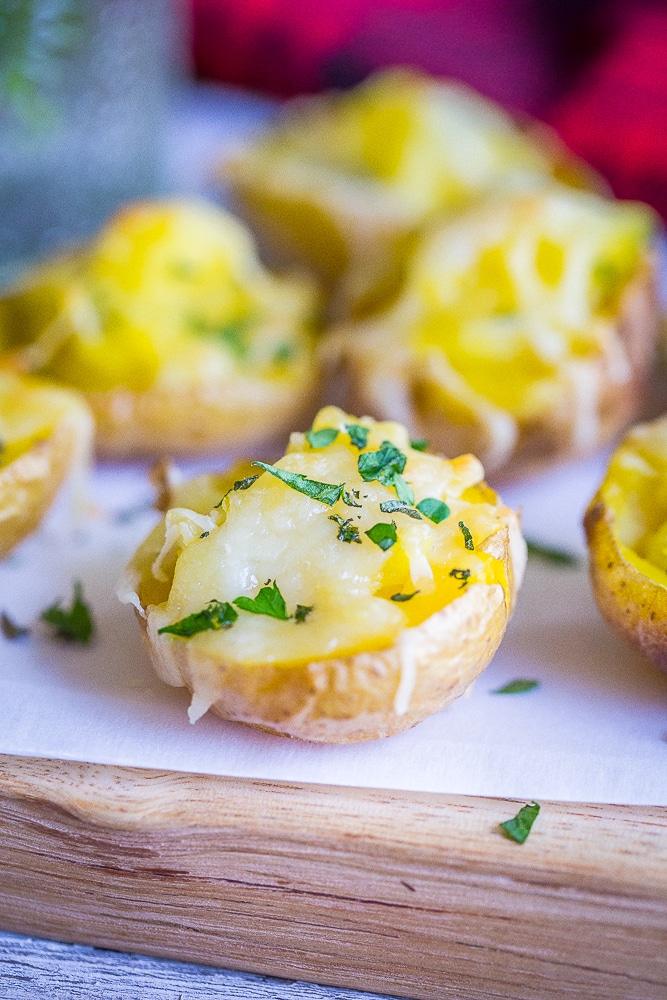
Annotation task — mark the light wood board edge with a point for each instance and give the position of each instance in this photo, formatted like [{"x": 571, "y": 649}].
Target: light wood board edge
[{"x": 417, "y": 895}]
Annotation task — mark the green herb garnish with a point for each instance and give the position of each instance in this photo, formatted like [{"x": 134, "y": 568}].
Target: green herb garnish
[
  {"x": 75, "y": 625},
  {"x": 10, "y": 629},
  {"x": 232, "y": 335},
  {"x": 517, "y": 687},
  {"x": 467, "y": 537},
  {"x": 403, "y": 597},
  {"x": 240, "y": 484},
  {"x": 321, "y": 438},
  {"x": 404, "y": 491},
  {"x": 326, "y": 493},
  {"x": 398, "y": 507},
  {"x": 434, "y": 510},
  {"x": 350, "y": 498},
  {"x": 358, "y": 435},
  {"x": 284, "y": 353},
  {"x": 384, "y": 464},
  {"x": 215, "y": 616},
  {"x": 383, "y": 535},
  {"x": 460, "y": 574},
  {"x": 269, "y": 602},
  {"x": 560, "y": 557},
  {"x": 302, "y": 612},
  {"x": 520, "y": 825},
  {"x": 205, "y": 534},
  {"x": 348, "y": 532},
  {"x": 419, "y": 444}
]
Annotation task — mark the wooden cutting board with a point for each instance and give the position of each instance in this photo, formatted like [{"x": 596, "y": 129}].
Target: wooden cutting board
[{"x": 417, "y": 895}]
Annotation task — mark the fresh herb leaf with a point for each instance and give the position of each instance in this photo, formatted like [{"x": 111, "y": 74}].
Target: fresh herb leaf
[
  {"x": 520, "y": 825},
  {"x": 460, "y": 574},
  {"x": 348, "y": 532},
  {"x": 322, "y": 438},
  {"x": 383, "y": 464},
  {"x": 240, "y": 484},
  {"x": 467, "y": 537},
  {"x": 358, "y": 435},
  {"x": 517, "y": 687},
  {"x": 350, "y": 498},
  {"x": 398, "y": 507},
  {"x": 419, "y": 444},
  {"x": 404, "y": 491},
  {"x": 10, "y": 629},
  {"x": 269, "y": 602},
  {"x": 302, "y": 612},
  {"x": 383, "y": 535},
  {"x": 403, "y": 597},
  {"x": 284, "y": 353},
  {"x": 434, "y": 510},
  {"x": 75, "y": 625},
  {"x": 232, "y": 335},
  {"x": 326, "y": 493},
  {"x": 205, "y": 534},
  {"x": 216, "y": 615},
  {"x": 560, "y": 557}
]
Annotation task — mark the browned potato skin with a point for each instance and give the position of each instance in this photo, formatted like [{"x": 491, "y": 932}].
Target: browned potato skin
[
  {"x": 634, "y": 606},
  {"x": 29, "y": 484}
]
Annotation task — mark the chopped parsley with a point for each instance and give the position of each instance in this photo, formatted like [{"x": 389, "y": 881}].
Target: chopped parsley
[
  {"x": 404, "y": 491},
  {"x": 75, "y": 625},
  {"x": 460, "y": 574},
  {"x": 302, "y": 612},
  {"x": 322, "y": 438},
  {"x": 403, "y": 597},
  {"x": 467, "y": 537},
  {"x": 517, "y": 687},
  {"x": 233, "y": 335},
  {"x": 358, "y": 435},
  {"x": 434, "y": 510},
  {"x": 205, "y": 534},
  {"x": 348, "y": 532},
  {"x": 520, "y": 825},
  {"x": 283, "y": 354},
  {"x": 216, "y": 615},
  {"x": 419, "y": 444},
  {"x": 350, "y": 498},
  {"x": 398, "y": 507},
  {"x": 327, "y": 493},
  {"x": 269, "y": 601},
  {"x": 383, "y": 535},
  {"x": 10, "y": 629},
  {"x": 240, "y": 484},
  {"x": 560, "y": 557},
  {"x": 383, "y": 464}
]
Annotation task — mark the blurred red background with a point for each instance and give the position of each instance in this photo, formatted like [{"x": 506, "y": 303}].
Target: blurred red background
[{"x": 594, "y": 69}]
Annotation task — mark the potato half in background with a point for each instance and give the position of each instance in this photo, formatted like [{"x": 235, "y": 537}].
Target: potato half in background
[
  {"x": 626, "y": 527},
  {"x": 525, "y": 330},
  {"x": 179, "y": 339},
  {"x": 45, "y": 435},
  {"x": 343, "y": 182},
  {"x": 343, "y": 594}
]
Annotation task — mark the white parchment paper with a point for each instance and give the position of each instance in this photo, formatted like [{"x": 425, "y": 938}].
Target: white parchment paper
[{"x": 594, "y": 730}]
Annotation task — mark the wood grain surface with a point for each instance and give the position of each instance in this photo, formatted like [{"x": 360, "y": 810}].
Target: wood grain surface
[{"x": 416, "y": 895}]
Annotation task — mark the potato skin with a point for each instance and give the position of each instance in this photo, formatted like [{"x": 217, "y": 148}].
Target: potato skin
[
  {"x": 634, "y": 606},
  {"x": 28, "y": 485}
]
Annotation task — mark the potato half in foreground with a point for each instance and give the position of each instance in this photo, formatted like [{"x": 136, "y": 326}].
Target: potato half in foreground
[
  {"x": 524, "y": 333},
  {"x": 343, "y": 182},
  {"x": 626, "y": 527},
  {"x": 45, "y": 434},
  {"x": 344, "y": 593},
  {"x": 178, "y": 337}
]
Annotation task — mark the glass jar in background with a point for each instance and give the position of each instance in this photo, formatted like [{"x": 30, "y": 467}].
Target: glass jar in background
[{"x": 84, "y": 89}]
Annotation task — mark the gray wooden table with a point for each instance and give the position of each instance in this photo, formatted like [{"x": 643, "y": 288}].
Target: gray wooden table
[{"x": 31, "y": 968}]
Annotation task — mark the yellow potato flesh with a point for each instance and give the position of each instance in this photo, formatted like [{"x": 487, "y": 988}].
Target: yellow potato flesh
[
  {"x": 626, "y": 524},
  {"x": 272, "y": 532},
  {"x": 165, "y": 287}
]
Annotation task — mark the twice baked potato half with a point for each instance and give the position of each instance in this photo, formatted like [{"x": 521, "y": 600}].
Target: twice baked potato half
[
  {"x": 343, "y": 182},
  {"x": 45, "y": 434},
  {"x": 344, "y": 593},
  {"x": 178, "y": 337},
  {"x": 524, "y": 332},
  {"x": 626, "y": 528}
]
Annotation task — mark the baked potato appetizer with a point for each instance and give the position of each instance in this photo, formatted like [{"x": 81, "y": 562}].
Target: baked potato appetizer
[
  {"x": 344, "y": 181},
  {"x": 626, "y": 528},
  {"x": 45, "y": 434},
  {"x": 342, "y": 594},
  {"x": 178, "y": 337},
  {"x": 524, "y": 332}
]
